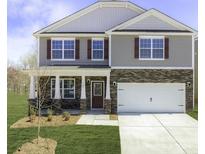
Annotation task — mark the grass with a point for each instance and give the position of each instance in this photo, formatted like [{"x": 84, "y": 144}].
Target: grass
[
  {"x": 194, "y": 113},
  {"x": 72, "y": 139}
]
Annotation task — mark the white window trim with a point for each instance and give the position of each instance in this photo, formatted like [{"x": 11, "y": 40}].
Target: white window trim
[
  {"x": 62, "y": 79},
  {"x": 98, "y": 39},
  {"x": 62, "y": 39},
  {"x": 152, "y": 37}
]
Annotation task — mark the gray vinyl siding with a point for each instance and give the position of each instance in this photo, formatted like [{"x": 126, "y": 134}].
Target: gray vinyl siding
[
  {"x": 152, "y": 22},
  {"x": 98, "y": 20},
  {"x": 43, "y": 61},
  {"x": 180, "y": 53}
]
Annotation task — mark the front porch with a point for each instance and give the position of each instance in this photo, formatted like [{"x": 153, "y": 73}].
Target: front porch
[{"x": 72, "y": 88}]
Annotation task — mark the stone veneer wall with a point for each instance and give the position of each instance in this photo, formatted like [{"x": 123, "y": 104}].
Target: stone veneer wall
[
  {"x": 74, "y": 103},
  {"x": 154, "y": 76},
  {"x": 65, "y": 103}
]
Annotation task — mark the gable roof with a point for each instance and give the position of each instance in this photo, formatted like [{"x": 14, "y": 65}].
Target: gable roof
[
  {"x": 160, "y": 21},
  {"x": 87, "y": 14}
]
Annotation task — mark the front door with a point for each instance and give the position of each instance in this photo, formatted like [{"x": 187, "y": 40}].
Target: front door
[{"x": 97, "y": 95}]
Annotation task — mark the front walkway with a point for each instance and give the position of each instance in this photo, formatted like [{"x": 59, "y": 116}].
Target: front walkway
[
  {"x": 158, "y": 134},
  {"x": 97, "y": 119}
]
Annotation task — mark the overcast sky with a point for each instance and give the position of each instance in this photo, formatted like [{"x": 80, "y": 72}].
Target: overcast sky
[{"x": 28, "y": 16}]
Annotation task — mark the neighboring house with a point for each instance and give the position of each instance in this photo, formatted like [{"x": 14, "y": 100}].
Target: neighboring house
[
  {"x": 118, "y": 57},
  {"x": 196, "y": 70}
]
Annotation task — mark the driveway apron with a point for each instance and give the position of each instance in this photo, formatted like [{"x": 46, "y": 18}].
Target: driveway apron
[{"x": 158, "y": 134}]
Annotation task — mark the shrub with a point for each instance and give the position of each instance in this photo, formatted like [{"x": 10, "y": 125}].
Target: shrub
[
  {"x": 50, "y": 113},
  {"x": 66, "y": 116}
]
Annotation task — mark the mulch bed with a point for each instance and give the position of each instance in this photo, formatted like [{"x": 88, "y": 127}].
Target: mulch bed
[
  {"x": 41, "y": 146},
  {"x": 56, "y": 121},
  {"x": 113, "y": 117}
]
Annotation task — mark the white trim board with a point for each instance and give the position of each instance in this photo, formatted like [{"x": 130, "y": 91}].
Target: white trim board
[
  {"x": 127, "y": 67},
  {"x": 68, "y": 71},
  {"x": 72, "y": 35},
  {"x": 150, "y": 33}
]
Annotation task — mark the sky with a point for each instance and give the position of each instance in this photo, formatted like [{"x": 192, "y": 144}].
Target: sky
[{"x": 27, "y": 16}]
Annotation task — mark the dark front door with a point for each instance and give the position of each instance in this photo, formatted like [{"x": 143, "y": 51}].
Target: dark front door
[{"x": 97, "y": 95}]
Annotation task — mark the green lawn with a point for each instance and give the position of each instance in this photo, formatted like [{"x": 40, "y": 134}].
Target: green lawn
[
  {"x": 71, "y": 139},
  {"x": 194, "y": 113}
]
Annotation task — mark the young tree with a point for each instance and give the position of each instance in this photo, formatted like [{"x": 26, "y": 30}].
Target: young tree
[{"x": 42, "y": 97}]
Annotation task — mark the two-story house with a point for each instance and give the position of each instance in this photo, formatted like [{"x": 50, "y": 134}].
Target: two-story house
[{"x": 118, "y": 57}]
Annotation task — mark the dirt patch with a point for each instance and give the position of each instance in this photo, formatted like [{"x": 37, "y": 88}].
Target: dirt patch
[
  {"x": 113, "y": 117},
  {"x": 44, "y": 146},
  {"x": 56, "y": 121}
]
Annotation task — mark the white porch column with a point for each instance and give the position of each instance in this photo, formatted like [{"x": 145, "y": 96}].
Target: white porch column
[
  {"x": 83, "y": 96},
  {"x": 32, "y": 87},
  {"x": 108, "y": 88},
  {"x": 57, "y": 87}
]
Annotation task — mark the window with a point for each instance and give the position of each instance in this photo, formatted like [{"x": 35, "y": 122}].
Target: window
[
  {"x": 151, "y": 48},
  {"x": 69, "y": 49},
  {"x": 63, "y": 49},
  {"x": 67, "y": 88},
  {"x": 98, "y": 49},
  {"x": 57, "y": 49},
  {"x": 97, "y": 89},
  {"x": 145, "y": 48}
]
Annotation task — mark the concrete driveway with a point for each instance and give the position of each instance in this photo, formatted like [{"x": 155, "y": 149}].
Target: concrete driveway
[{"x": 158, "y": 134}]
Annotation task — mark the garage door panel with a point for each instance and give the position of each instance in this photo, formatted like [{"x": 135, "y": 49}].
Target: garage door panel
[{"x": 151, "y": 97}]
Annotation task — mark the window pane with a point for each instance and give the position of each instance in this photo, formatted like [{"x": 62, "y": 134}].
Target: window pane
[
  {"x": 53, "y": 83},
  {"x": 157, "y": 53},
  {"x": 57, "y": 44},
  {"x": 57, "y": 54},
  {"x": 53, "y": 93},
  {"x": 68, "y": 83},
  {"x": 97, "y": 89},
  {"x": 69, "y": 44},
  {"x": 97, "y": 54},
  {"x": 158, "y": 43},
  {"x": 68, "y": 54},
  {"x": 145, "y": 43},
  {"x": 97, "y": 44},
  {"x": 145, "y": 53},
  {"x": 61, "y": 83},
  {"x": 68, "y": 93}
]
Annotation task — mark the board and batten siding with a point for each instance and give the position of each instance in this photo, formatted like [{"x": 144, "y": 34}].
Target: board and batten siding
[
  {"x": 98, "y": 20},
  {"x": 83, "y": 60},
  {"x": 180, "y": 53},
  {"x": 152, "y": 22}
]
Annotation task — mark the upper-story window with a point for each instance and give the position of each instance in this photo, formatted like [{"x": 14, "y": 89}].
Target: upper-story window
[
  {"x": 63, "y": 49},
  {"x": 98, "y": 49},
  {"x": 151, "y": 48}
]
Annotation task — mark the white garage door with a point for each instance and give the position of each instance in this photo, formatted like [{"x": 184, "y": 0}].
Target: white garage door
[{"x": 151, "y": 97}]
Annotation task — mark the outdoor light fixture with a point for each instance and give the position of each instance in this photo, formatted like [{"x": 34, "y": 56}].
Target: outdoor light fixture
[
  {"x": 114, "y": 83},
  {"x": 88, "y": 81},
  {"x": 188, "y": 84}
]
